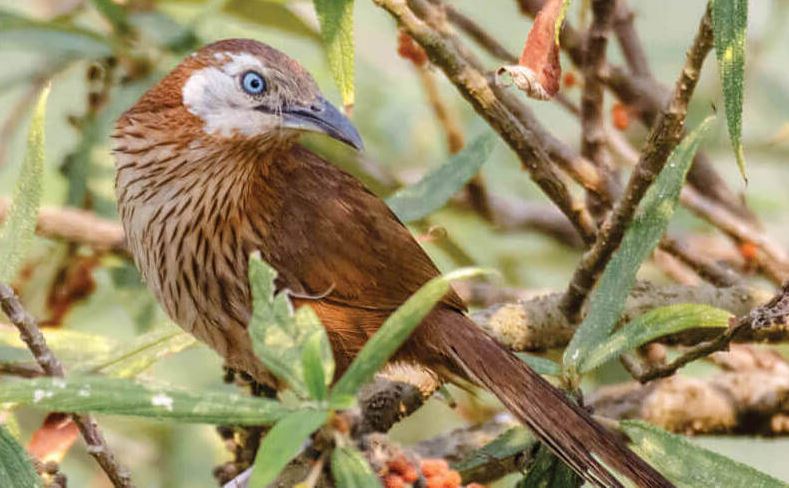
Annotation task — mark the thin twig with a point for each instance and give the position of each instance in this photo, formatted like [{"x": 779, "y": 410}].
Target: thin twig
[
  {"x": 23, "y": 370},
  {"x": 32, "y": 336},
  {"x": 593, "y": 133},
  {"x": 712, "y": 272},
  {"x": 775, "y": 311},
  {"x": 662, "y": 139},
  {"x": 629, "y": 41},
  {"x": 461, "y": 69}
]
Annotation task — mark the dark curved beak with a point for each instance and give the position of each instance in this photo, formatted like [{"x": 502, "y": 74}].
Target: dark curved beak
[{"x": 323, "y": 117}]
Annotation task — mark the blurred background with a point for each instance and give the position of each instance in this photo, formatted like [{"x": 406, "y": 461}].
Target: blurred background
[{"x": 75, "y": 289}]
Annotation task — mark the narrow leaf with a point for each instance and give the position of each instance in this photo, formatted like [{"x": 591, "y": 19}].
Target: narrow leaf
[
  {"x": 336, "y": 20},
  {"x": 116, "y": 396},
  {"x": 729, "y": 24},
  {"x": 51, "y": 36},
  {"x": 608, "y": 298},
  {"x": 20, "y": 225},
  {"x": 114, "y": 13},
  {"x": 278, "y": 334},
  {"x": 547, "y": 471},
  {"x": 540, "y": 365},
  {"x": 129, "y": 360},
  {"x": 688, "y": 465},
  {"x": 656, "y": 323},
  {"x": 511, "y": 443},
  {"x": 315, "y": 374},
  {"x": 283, "y": 443},
  {"x": 351, "y": 470},
  {"x": 394, "y": 332},
  {"x": 16, "y": 468},
  {"x": 437, "y": 187}
]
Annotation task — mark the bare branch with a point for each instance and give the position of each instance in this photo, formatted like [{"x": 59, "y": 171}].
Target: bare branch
[
  {"x": 538, "y": 324},
  {"x": 32, "y": 336},
  {"x": 770, "y": 314},
  {"x": 663, "y": 138},
  {"x": 750, "y": 400},
  {"x": 464, "y": 72},
  {"x": 593, "y": 133},
  {"x": 75, "y": 225}
]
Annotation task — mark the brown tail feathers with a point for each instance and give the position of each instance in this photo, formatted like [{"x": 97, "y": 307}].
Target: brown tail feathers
[{"x": 564, "y": 427}]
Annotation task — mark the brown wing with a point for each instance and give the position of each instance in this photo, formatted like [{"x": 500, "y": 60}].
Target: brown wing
[{"x": 335, "y": 238}]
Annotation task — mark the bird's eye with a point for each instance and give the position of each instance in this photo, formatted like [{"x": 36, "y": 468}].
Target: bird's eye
[{"x": 253, "y": 83}]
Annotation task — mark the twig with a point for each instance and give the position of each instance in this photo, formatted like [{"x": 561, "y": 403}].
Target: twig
[
  {"x": 593, "y": 133},
  {"x": 75, "y": 225},
  {"x": 663, "y": 138},
  {"x": 628, "y": 40},
  {"x": 32, "y": 336},
  {"x": 749, "y": 399},
  {"x": 646, "y": 96},
  {"x": 23, "y": 370},
  {"x": 463, "y": 72},
  {"x": 480, "y": 35},
  {"x": 538, "y": 324},
  {"x": 773, "y": 312},
  {"x": 712, "y": 272}
]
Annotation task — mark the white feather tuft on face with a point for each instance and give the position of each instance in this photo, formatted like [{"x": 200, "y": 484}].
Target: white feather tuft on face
[{"x": 214, "y": 95}]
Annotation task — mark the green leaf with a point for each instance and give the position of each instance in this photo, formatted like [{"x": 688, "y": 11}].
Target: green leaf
[
  {"x": 729, "y": 24},
  {"x": 540, "y": 365},
  {"x": 16, "y": 468},
  {"x": 557, "y": 27},
  {"x": 688, "y": 465},
  {"x": 547, "y": 471},
  {"x": 20, "y": 225},
  {"x": 437, "y": 187},
  {"x": 656, "y": 323},
  {"x": 114, "y": 13},
  {"x": 351, "y": 470},
  {"x": 278, "y": 334},
  {"x": 608, "y": 298},
  {"x": 283, "y": 443},
  {"x": 394, "y": 332},
  {"x": 336, "y": 19},
  {"x": 313, "y": 358},
  {"x": 129, "y": 360},
  {"x": 509, "y": 444},
  {"x": 117, "y": 396},
  {"x": 52, "y": 37}
]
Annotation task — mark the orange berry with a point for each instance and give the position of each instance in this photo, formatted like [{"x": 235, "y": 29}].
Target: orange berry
[
  {"x": 434, "y": 467},
  {"x": 620, "y": 116},
  {"x": 398, "y": 464},
  {"x": 410, "y": 475},
  {"x": 569, "y": 79},
  {"x": 748, "y": 250},
  {"x": 393, "y": 481},
  {"x": 475, "y": 485},
  {"x": 434, "y": 482},
  {"x": 452, "y": 479}
]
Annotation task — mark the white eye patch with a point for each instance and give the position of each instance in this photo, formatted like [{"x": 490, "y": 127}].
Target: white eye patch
[{"x": 213, "y": 94}]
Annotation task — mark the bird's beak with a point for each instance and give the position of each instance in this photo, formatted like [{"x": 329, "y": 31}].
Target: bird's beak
[{"x": 321, "y": 116}]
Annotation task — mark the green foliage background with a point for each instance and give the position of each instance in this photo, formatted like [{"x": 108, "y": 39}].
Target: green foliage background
[{"x": 402, "y": 136}]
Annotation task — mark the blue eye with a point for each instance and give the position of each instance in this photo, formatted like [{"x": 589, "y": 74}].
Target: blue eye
[{"x": 253, "y": 83}]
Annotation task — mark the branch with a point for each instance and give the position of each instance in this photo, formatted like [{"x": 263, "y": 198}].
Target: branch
[
  {"x": 770, "y": 314},
  {"x": 628, "y": 40},
  {"x": 75, "y": 225},
  {"x": 31, "y": 335},
  {"x": 593, "y": 133},
  {"x": 663, "y": 138},
  {"x": 538, "y": 324},
  {"x": 464, "y": 72},
  {"x": 749, "y": 400}
]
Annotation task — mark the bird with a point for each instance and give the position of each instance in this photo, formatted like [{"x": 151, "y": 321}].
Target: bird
[{"x": 210, "y": 169}]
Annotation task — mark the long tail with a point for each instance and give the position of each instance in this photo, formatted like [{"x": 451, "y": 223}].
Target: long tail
[{"x": 564, "y": 427}]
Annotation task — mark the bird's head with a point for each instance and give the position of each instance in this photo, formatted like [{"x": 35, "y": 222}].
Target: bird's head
[{"x": 242, "y": 89}]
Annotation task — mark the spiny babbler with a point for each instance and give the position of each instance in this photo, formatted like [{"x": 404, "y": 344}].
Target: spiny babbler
[{"x": 210, "y": 170}]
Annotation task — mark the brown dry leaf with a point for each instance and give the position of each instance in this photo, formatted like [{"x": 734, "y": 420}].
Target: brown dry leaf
[
  {"x": 54, "y": 438},
  {"x": 538, "y": 71}
]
